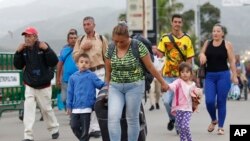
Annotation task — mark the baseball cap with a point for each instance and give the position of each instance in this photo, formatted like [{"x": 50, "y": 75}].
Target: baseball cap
[{"x": 30, "y": 30}]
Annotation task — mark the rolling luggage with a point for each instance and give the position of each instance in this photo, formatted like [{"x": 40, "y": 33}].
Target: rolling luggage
[{"x": 101, "y": 109}]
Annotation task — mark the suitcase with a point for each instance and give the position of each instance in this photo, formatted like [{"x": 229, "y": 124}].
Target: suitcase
[{"x": 101, "y": 109}]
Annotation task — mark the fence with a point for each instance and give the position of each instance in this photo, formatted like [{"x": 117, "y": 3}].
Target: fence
[{"x": 11, "y": 85}]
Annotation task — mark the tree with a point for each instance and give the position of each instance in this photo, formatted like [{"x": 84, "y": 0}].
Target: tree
[
  {"x": 188, "y": 18},
  {"x": 122, "y": 17},
  {"x": 164, "y": 12},
  {"x": 210, "y": 15}
]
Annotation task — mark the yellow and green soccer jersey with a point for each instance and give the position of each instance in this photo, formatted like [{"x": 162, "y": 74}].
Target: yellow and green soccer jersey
[{"x": 173, "y": 57}]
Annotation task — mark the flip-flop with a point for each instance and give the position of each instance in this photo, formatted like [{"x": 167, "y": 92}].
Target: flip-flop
[
  {"x": 212, "y": 126},
  {"x": 220, "y": 131}
]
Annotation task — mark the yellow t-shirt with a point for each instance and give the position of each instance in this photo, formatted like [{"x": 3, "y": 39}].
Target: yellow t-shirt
[{"x": 173, "y": 57}]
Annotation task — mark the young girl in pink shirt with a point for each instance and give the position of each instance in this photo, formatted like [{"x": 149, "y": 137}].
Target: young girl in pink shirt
[{"x": 183, "y": 88}]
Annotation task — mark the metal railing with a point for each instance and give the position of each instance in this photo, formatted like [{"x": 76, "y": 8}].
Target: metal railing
[{"x": 11, "y": 85}]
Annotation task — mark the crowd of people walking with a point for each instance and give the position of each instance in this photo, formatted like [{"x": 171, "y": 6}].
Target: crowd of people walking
[{"x": 86, "y": 65}]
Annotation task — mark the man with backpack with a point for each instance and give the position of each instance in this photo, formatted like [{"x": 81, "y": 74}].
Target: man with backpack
[
  {"x": 95, "y": 46},
  {"x": 177, "y": 47}
]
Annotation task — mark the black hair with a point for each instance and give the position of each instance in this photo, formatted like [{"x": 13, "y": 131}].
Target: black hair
[
  {"x": 71, "y": 33},
  {"x": 176, "y": 16}
]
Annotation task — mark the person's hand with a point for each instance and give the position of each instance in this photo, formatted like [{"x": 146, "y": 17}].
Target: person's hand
[
  {"x": 105, "y": 87},
  {"x": 164, "y": 87},
  {"x": 43, "y": 46},
  {"x": 68, "y": 111},
  {"x": 58, "y": 83},
  {"x": 21, "y": 47},
  {"x": 87, "y": 45},
  {"x": 203, "y": 58},
  {"x": 235, "y": 80}
]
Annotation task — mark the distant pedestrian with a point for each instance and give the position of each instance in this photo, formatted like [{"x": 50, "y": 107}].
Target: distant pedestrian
[
  {"x": 66, "y": 65},
  {"x": 248, "y": 73},
  {"x": 81, "y": 97},
  {"x": 183, "y": 87},
  {"x": 155, "y": 89},
  {"x": 215, "y": 55},
  {"x": 241, "y": 73},
  {"x": 37, "y": 61}
]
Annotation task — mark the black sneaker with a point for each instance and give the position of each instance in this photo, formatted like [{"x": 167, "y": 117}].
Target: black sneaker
[
  {"x": 151, "y": 108},
  {"x": 41, "y": 119},
  {"x": 21, "y": 115},
  {"x": 157, "y": 106},
  {"x": 95, "y": 134},
  {"x": 171, "y": 125},
  {"x": 177, "y": 132},
  {"x": 27, "y": 140},
  {"x": 55, "y": 135}
]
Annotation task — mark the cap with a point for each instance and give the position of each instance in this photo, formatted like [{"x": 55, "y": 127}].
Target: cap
[{"x": 30, "y": 30}]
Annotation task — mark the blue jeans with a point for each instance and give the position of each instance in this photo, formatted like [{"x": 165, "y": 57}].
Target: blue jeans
[
  {"x": 130, "y": 95},
  {"x": 168, "y": 97},
  {"x": 217, "y": 85},
  {"x": 64, "y": 88}
]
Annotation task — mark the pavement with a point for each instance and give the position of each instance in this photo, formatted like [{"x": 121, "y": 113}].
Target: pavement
[{"x": 11, "y": 128}]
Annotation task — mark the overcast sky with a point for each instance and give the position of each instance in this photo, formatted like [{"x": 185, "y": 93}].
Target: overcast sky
[
  {"x": 236, "y": 19},
  {"x": 9, "y": 3},
  {"x": 113, "y": 3}
]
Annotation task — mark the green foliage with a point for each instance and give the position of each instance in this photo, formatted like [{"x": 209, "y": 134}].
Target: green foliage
[
  {"x": 122, "y": 17},
  {"x": 164, "y": 12},
  {"x": 210, "y": 15},
  {"x": 188, "y": 18}
]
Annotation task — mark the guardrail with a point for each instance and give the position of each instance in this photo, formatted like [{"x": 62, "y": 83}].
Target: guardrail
[
  {"x": 11, "y": 90},
  {"x": 11, "y": 85}
]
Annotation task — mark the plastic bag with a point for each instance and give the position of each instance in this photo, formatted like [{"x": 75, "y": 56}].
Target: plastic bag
[{"x": 234, "y": 92}]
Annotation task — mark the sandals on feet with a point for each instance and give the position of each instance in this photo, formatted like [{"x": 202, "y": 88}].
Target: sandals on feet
[
  {"x": 220, "y": 131},
  {"x": 212, "y": 126}
]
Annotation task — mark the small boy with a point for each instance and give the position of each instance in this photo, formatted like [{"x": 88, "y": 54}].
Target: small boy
[{"x": 82, "y": 96}]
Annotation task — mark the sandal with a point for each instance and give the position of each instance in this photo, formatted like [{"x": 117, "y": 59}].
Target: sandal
[
  {"x": 212, "y": 126},
  {"x": 220, "y": 131}
]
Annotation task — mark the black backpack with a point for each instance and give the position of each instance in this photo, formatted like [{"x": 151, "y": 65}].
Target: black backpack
[
  {"x": 136, "y": 39},
  {"x": 148, "y": 76}
]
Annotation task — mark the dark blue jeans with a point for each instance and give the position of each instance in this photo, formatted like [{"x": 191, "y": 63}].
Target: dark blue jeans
[{"x": 80, "y": 125}]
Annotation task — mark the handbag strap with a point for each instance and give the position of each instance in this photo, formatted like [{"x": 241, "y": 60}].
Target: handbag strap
[
  {"x": 66, "y": 56},
  {"x": 171, "y": 38}
]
